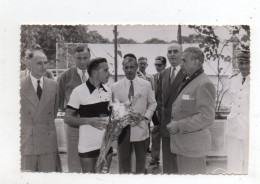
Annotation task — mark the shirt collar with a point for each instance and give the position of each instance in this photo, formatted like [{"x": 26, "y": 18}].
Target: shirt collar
[
  {"x": 177, "y": 68},
  {"x": 80, "y": 72},
  {"x": 92, "y": 88},
  {"x": 34, "y": 80},
  {"x": 128, "y": 81}
]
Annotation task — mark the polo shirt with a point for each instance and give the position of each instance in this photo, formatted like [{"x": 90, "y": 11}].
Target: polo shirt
[{"x": 90, "y": 101}]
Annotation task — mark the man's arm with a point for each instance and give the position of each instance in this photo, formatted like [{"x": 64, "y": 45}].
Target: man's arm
[
  {"x": 56, "y": 101},
  {"x": 62, "y": 82},
  {"x": 205, "y": 104},
  {"x": 71, "y": 118},
  {"x": 151, "y": 102}
]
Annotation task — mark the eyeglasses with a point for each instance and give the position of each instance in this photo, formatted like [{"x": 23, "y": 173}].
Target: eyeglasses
[
  {"x": 173, "y": 51},
  {"x": 159, "y": 65}
]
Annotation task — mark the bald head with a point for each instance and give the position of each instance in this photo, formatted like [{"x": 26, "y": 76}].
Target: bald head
[{"x": 174, "y": 54}]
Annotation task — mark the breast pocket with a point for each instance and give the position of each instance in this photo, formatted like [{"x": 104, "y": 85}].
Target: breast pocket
[{"x": 188, "y": 106}]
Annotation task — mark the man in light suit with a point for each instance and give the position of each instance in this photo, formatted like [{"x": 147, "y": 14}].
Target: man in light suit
[
  {"x": 193, "y": 112},
  {"x": 169, "y": 83},
  {"x": 68, "y": 81},
  {"x": 39, "y": 106},
  {"x": 237, "y": 127},
  {"x": 134, "y": 136}
]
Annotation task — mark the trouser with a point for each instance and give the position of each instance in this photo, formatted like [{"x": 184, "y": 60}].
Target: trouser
[
  {"x": 189, "y": 165},
  {"x": 73, "y": 155},
  {"x": 148, "y": 140},
  {"x": 41, "y": 163},
  {"x": 124, "y": 152},
  {"x": 237, "y": 155},
  {"x": 156, "y": 141},
  {"x": 169, "y": 158}
]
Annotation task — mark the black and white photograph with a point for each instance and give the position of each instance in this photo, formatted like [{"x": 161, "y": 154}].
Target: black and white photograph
[
  {"x": 129, "y": 92},
  {"x": 135, "y": 99}
]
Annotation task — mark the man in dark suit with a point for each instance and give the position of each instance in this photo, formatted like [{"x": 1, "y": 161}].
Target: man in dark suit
[
  {"x": 160, "y": 64},
  {"x": 169, "y": 83},
  {"x": 68, "y": 81},
  {"x": 39, "y": 106},
  {"x": 193, "y": 112}
]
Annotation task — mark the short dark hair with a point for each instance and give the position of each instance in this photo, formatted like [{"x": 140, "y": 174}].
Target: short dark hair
[
  {"x": 130, "y": 55},
  {"x": 94, "y": 64},
  {"x": 81, "y": 48},
  {"x": 195, "y": 53},
  {"x": 30, "y": 53},
  {"x": 142, "y": 58},
  {"x": 162, "y": 59}
]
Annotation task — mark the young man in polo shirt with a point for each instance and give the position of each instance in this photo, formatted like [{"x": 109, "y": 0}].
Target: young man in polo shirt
[{"x": 88, "y": 108}]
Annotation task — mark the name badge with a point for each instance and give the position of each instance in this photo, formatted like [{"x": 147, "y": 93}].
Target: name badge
[{"x": 185, "y": 97}]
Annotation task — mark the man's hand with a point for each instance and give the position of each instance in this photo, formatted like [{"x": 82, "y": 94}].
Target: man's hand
[
  {"x": 172, "y": 127},
  {"x": 99, "y": 123}
]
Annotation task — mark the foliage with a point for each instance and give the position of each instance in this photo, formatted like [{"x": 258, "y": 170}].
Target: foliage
[
  {"x": 192, "y": 38},
  {"x": 213, "y": 49},
  {"x": 122, "y": 40},
  {"x": 155, "y": 41},
  {"x": 48, "y": 35}
]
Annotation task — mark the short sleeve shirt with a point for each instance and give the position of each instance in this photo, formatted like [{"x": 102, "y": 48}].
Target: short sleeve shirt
[{"x": 90, "y": 101}]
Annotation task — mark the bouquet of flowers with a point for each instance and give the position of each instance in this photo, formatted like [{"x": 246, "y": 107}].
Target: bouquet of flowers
[{"x": 122, "y": 115}]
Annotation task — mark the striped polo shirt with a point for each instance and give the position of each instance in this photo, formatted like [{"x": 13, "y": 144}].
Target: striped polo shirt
[{"x": 90, "y": 101}]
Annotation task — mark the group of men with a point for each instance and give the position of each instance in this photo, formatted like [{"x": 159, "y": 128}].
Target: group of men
[{"x": 179, "y": 100}]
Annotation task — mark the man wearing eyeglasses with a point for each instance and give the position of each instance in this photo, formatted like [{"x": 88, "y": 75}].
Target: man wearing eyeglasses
[
  {"x": 169, "y": 82},
  {"x": 237, "y": 127},
  {"x": 160, "y": 64}
]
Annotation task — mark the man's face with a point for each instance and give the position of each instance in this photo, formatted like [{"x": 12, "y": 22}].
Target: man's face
[
  {"x": 130, "y": 68},
  {"x": 142, "y": 64},
  {"x": 103, "y": 73},
  {"x": 38, "y": 65},
  {"x": 243, "y": 66},
  {"x": 82, "y": 59},
  {"x": 189, "y": 65},
  {"x": 159, "y": 66},
  {"x": 174, "y": 55}
]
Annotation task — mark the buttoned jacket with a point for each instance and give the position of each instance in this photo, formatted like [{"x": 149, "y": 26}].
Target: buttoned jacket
[
  {"x": 166, "y": 95},
  {"x": 38, "y": 132},
  {"x": 238, "y": 120},
  {"x": 194, "y": 111},
  {"x": 146, "y": 105}
]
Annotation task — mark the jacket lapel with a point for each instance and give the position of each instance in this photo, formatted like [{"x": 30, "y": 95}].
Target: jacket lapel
[
  {"x": 165, "y": 80},
  {"x": 173, "y": 89},
  {"x": 29, "y": 92},
  {"x": 46, "y": 92}
]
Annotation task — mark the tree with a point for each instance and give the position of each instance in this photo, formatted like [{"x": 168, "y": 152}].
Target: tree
[
  {"x": 213, "y": 49},
  {"x": 155, "y": 41},
  {"x": 122, "y": 40}
]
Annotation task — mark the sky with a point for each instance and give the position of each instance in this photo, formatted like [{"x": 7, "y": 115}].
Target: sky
[{"x": 142, "y": 33}]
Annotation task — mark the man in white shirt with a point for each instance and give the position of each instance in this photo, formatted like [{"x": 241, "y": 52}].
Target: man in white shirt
[
  {"x": 88, "y": 108},
  {"x": 69, "y": 80},
  {"x": 237, "y": 127},
  {"x": 39, "y": 106},
  {"x": 134, "y": 137}
]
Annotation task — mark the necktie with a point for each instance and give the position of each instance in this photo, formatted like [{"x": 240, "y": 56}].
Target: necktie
[
  {"x": 83, "y": 77},
  {"x": 131, "y": 91},
  {"x": 39, "y": 89},
  {"x": 244, "y": 79},
  {"x": 172, "y": 75}
]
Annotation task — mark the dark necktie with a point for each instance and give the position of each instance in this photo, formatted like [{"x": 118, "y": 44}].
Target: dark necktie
[
  {"x": 39, "y": 90},
  {"x": 244, "y": 79},
  {"x": 131, "y": 91},
  {"x": 172, "y": 74}
]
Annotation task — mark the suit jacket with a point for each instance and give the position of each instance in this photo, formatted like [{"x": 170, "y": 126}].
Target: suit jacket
[
  {"x": 146, "y": 105},
  {"x": 194, "y": 111},
  {"x": 38, "y": 132},
  {"x": 68, "y": 80},
  {"x": 238, "y": 120},
  {"x": 166, "y": 95}
]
